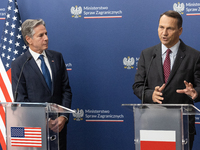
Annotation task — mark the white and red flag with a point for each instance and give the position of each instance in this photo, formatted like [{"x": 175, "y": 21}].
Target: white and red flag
[{"x": 157, "y": 140}]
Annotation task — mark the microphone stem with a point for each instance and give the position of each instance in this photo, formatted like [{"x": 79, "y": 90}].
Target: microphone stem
[{"x": 16, "y": 93}]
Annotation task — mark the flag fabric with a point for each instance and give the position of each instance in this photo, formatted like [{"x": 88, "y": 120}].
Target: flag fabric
[
  {"x": 11, "y": 46},
  {"x": 157, "y": 140},
  {"x": 26, "y": 136}
]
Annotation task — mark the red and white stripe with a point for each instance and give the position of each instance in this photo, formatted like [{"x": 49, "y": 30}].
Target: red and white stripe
[
  {"x": 33, "y": 138},
  {"x": 157, "y": 140},
  {"x": 5, "y": 96}
]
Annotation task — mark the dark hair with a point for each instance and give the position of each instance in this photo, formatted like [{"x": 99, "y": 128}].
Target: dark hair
[{"x": 174, "y": 14}]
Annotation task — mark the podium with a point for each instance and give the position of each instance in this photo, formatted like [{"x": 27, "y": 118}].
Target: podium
[
  {"x": 28, "y": 125},
  {"x": 162, "y": 126}
]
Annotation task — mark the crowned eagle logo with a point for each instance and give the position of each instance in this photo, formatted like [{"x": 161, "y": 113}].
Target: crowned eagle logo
[
  {"x": 179, "y": 7},
  {"x": 76, "y": 11},
  {"x": 128, "y": 62},
  {"x": 78, "y": 114}
]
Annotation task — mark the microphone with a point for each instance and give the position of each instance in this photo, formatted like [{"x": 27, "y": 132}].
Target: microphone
[
  {"x": 153, "y": 56},
  {"x": 16, "y": 93}
]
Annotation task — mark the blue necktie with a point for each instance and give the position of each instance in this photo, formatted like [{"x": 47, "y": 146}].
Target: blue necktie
[{"x": 45, "y": 72}]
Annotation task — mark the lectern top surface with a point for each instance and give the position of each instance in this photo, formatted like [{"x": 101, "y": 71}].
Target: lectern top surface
[
  {"x": 49, "y": 107},
  {"x": 186, "y": 109}
]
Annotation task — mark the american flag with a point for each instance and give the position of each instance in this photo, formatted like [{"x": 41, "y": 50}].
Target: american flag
[
  {"x": 12, "y": 45},
  {"x": 26, "y": 136}
]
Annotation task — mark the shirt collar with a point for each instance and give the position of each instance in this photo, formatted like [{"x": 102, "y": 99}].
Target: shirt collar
[
  {"x": 36, "y": 55},
  {"x": 174, "y": 48}
]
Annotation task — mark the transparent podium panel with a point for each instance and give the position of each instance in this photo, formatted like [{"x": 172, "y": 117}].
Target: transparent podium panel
[
  {"x": 157, "y": 126},
  {"x": 29, "y": 126}
]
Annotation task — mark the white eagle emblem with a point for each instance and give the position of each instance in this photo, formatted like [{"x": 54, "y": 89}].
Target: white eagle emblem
[
  {"x": 78, "y": 114},
  {"x": 179, "y": 7},
  {"x": 76, "y": 11},
  {"x": 128, "y": 62}
]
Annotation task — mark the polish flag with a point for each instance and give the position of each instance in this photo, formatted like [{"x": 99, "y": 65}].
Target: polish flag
[{"x": 157, "y": 140}]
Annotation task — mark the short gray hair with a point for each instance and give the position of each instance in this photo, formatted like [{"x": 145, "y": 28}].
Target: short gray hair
[{"x": 28, "y": 27}]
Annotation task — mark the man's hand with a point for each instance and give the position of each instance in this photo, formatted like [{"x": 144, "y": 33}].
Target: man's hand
[
  {"x": 157, "y": 94},
  {"x": 57, "y": 124},
  {"x": 189, "y": 90}
]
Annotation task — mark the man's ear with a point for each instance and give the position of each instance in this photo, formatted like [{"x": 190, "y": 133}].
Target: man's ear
[
  {"x": 29, "y": 40},
  {"x": 180, "y": 30}
]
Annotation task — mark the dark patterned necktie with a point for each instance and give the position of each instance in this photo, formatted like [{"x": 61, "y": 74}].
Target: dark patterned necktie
[
  {"x": 166, "y": 65},
  {"x": 45, "y": 72}
]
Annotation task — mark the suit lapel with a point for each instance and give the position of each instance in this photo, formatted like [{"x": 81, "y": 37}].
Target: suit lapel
[
  {"x": 179, "y": 58},
  {"x": 35, "y": 67},
  {"x": 159, "y": 61},
  {"x": 53, "y": 68}
]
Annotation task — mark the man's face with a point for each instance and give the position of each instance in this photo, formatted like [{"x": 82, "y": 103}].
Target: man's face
[
  {"x": 168, "y": 31},
  {"x": 39, "y": 42}
]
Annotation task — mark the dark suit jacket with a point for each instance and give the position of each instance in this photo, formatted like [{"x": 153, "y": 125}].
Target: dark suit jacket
[
  {"x": 186, "y": 67},
  {"x": 32, "y": 85}
]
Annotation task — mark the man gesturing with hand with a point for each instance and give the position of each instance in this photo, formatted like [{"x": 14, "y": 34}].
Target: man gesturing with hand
[{"x": 174, "y": 74}]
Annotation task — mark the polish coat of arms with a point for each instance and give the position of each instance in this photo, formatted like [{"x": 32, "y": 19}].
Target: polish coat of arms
[
  {"x": 179, "y": 7},
  {"x": 79, "y": 113},
  {"x": 76, "y": 11},
  {"x": 128, "y": 62}
]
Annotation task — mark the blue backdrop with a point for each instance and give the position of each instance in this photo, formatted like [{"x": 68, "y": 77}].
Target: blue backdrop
[{"x": 95, "y": 36}]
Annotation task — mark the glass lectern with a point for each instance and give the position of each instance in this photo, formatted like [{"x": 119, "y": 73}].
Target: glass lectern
[
  {"x": 28, "y": 125},
  {"x": 162, "y": 126}
]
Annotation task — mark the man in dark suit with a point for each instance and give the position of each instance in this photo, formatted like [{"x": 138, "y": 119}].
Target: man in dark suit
[
  {"x": 34, "y": 86},
  {"x": 174, "y": 76}
]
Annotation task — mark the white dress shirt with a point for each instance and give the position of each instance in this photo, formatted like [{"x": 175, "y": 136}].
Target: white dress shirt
[
  {"x": 38, "y": 61},
  {"x": 172, "y": 55}
]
